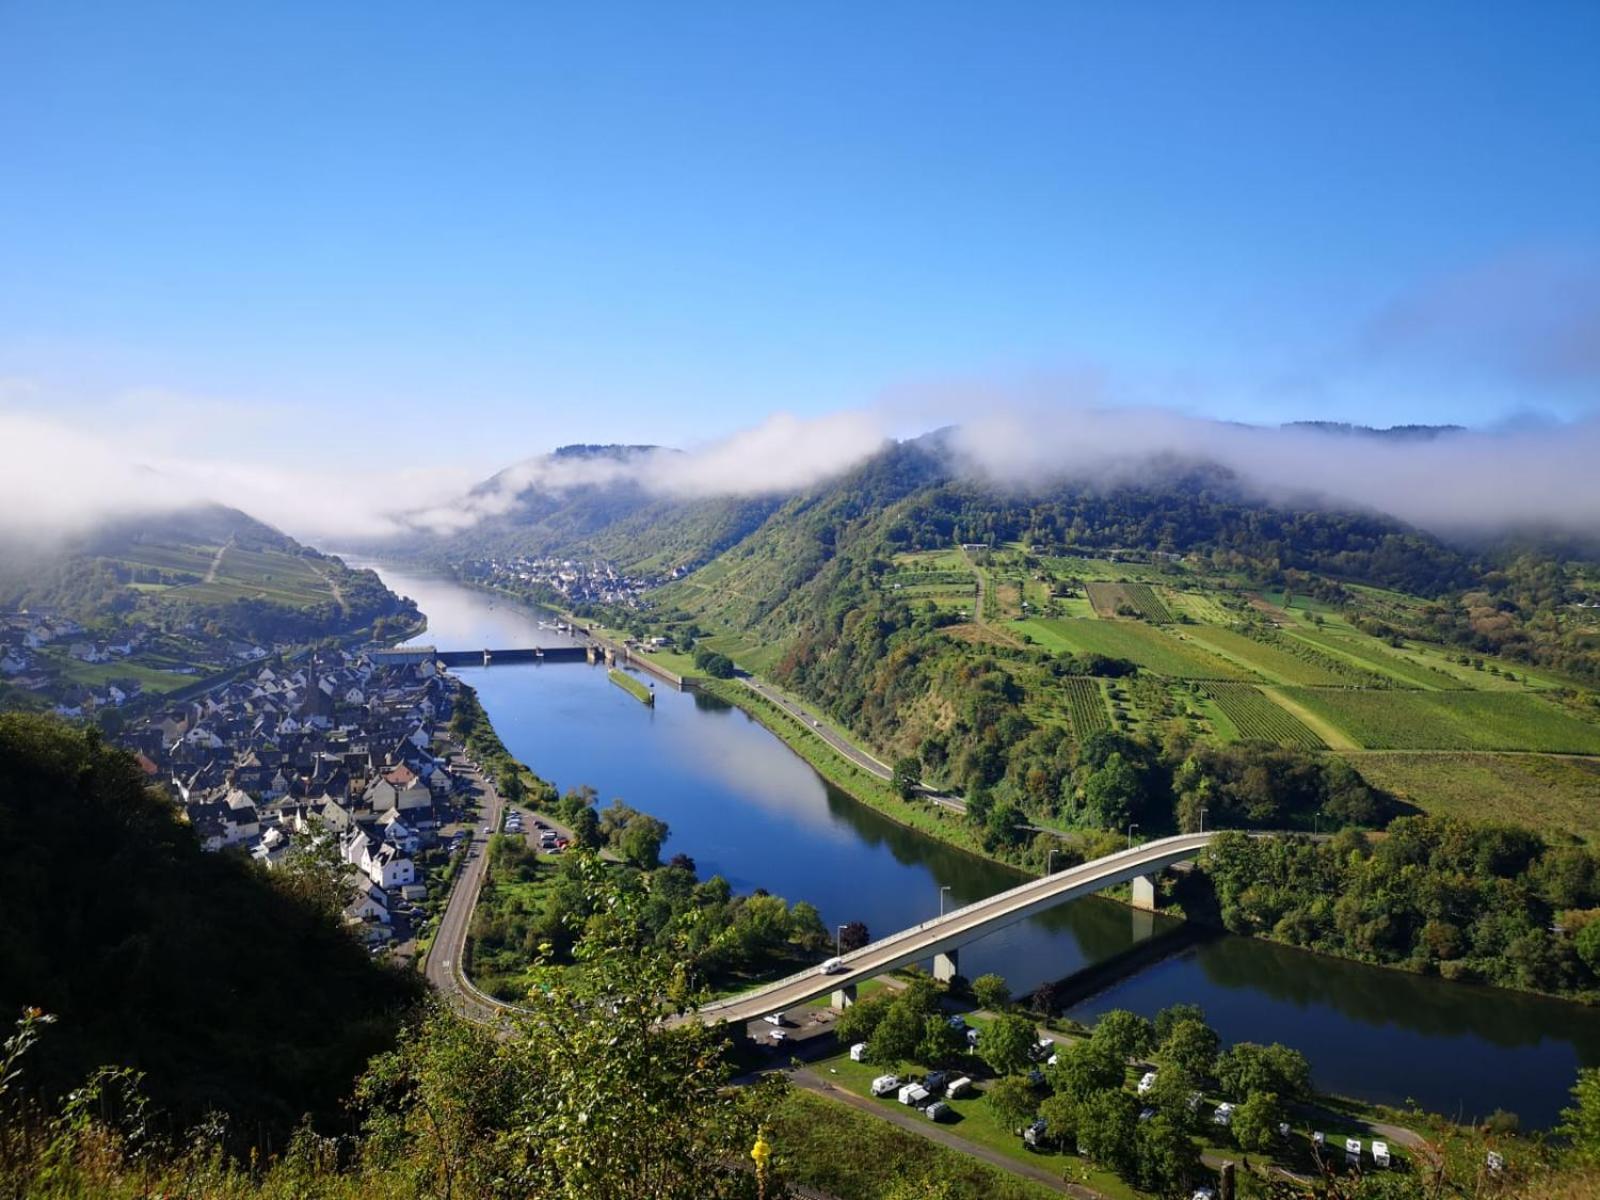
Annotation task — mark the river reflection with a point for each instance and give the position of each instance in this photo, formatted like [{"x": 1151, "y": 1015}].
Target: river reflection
[{"x": 743, "y": 806}]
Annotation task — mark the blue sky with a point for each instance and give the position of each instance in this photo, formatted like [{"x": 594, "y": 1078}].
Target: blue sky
[{"x": 532, "y": 223}]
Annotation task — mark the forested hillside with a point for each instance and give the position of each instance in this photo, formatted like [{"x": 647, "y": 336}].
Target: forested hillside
[{"x": 230, "y": 988}]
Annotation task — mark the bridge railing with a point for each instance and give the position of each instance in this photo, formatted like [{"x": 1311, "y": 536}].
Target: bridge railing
[{"x": 1000, "y": 900}]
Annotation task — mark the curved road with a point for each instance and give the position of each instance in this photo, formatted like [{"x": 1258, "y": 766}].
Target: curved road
[{"x": 443, "y": 968}]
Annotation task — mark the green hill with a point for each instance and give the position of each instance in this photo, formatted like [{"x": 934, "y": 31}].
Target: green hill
[{"x": 230, "y": 987}]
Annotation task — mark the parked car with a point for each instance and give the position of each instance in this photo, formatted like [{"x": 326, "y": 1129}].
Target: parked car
[
  {"x": 773, "y": 1018},
  {"x": 1224, "y": 1114},
  {"x": 885, "y": 1085},
  {"x": 1037, "y": 1135},
  {"x": 1146, "y": 1082}
]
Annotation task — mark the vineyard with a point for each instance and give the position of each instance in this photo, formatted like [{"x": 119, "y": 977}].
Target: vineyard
[
  {"x": 1086, "y": 706},
  {"x": 1149, "y": 647},
  {"x": 1112, "y": 599},
  {"x": 1257, "y": 718},
  {"x": 1280, "y": 659},
  {"x": 1405, "y": 720}
]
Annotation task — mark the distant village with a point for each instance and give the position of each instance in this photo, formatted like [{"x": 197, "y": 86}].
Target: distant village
[
  {"x": 576, "y": 580},
  {"x": 44, "y": 653},
  {"x": 342, "y": 749}
]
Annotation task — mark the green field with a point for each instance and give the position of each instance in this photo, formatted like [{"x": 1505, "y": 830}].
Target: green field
[
  {"x": 1149, "y": 647},
  {"x": 1373, "y": 655},
  {"x": 1072, "y": 567},
  {"x": 632, "y": 686},
  {"x": 1402, "y": 720},
  {"x": 1110, "y": 599},
  {"x": 1538, "y": 791},
  {"x": 1273, "y": 661},
  {"x": 1256, "y": 718}
]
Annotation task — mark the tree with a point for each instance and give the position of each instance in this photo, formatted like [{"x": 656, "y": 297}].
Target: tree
[
  {"x": 1581, "y": 1123},
  {"x": 1587, "y": 943},
  {"x": 897, "y": 1035},
  {"x": 586, "y": 829},
  {"x": 1012, "y": 1101},
  {"x": 1060, "y": 1115},
  {"x": 1126, "y": 1034},
  {"x": 907, "y": 775},
  {"x": 858, "y": 1022},
  {"x": 1256, "y": 1120},
  {"x": 1168, "y": 1159},
  {"x": 719, "y": 666},
  {"x": 940, "y": 1043},
  {"x": 1007, "y": 1045},
  {"x": 1047, "y": 998},
  {"x": 991, "y": 992},
  {"x": 1175, "y": 1095},
  {"x": 1172, "y": 1014},
  {"x": 1191, "y": 1046},
  {"x": 852, "y": 936},
  {"x": 1087, "y": 1067},
  {"x": 641, "y": 840},
  {"x": 1107, "y": 1124},
  {"x": 1247, "y": 1068}
]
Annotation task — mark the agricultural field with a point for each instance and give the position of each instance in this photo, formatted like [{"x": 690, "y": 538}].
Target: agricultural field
[
  {"x": 1278, "y": 661},
  {"x": 745, "y": 650},
  {"x": 1205, "y": 608},
  {"x": 1256, "y": 718},
  {"x": 1110, "y": 599},
  {"x": 1370, "y": 654},
  {"x": 1151, "y": 648},
  {"x": 1555, "y": 794},
  {"x": 1086, "y": 706},
  {"x": 1113, "y": 571},
  {"x": 1406, "y": 720}
]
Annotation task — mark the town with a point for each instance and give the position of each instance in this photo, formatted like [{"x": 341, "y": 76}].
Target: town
[
  {"x": 574, "y": 581},
  {"x": 337, "y": 750}
]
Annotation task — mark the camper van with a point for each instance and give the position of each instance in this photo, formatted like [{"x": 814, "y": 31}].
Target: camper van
[
  {"x": 914, "y": 1095},
  {"x": 885, "y": 1085},
  {"x": 1146, "y": 1082},
  {"x": 858, "y": 1052},
  {"x": 1380, "y": 1153},
  {"x": 834, "y": 966},
  {"x": 958, "y": 1088}
]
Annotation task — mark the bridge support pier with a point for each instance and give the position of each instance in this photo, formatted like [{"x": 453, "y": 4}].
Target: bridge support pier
[
  {"x": 591, "y": 654},
  {"x": 947, "y": 966},
  {"x": 1144, "y": 892},
  {"x": 844, "y": 997}
]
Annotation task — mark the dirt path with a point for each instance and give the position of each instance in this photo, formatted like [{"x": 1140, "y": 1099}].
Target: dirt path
[
  {"x": 1336, "y": 739},
  {"x": 216, "y": 560}
]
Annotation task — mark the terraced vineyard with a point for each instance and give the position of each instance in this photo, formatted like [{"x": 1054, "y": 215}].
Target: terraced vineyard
[
  {"x": 1086, "y": 706},
  {"x": 1370, "y": 654},
  {"x": 1281, "y": 659},
  {"x": 1257, "y": 718}
]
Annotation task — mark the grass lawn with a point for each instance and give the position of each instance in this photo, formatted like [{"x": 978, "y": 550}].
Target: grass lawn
[
  {"x": 1539, "y": 792},
  {"x": 632, "y": 686},
  {"x": 754, "y": 656},
  {"x": 1149, "y": 647},
  {"x": 1397, "y": 720},
  {"x": 97, "y": 675},
  {"x": 831, "y": 1146},
  {"x": 975, "y": 1122}
]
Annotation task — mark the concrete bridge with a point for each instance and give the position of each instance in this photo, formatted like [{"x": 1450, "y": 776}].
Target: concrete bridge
[
  {"x": 475, "y": 658},
  {"x": 943, "y": 937}
]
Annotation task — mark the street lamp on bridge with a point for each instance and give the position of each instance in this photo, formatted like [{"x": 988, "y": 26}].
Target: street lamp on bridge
[
  {"x": 1132, "y": 825},
  {"x": 942, "y": 891}
]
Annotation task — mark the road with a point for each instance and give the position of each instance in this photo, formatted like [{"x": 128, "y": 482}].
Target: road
[
  {"x": 819, "y": 725},
  {"x": 444, "y": 956},
  {"x": 957, "y": 928}
]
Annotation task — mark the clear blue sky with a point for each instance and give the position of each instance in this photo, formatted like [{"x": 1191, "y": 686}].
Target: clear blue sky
[{"x": 658, "y": 222}]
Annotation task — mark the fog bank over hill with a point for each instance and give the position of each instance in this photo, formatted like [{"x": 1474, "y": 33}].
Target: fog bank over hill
[{"x": 1450, "y": 480}]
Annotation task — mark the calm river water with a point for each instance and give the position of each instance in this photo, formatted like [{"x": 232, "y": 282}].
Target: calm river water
[{"x": 743, "y": 805}]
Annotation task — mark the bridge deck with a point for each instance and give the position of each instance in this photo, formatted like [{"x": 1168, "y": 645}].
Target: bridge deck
[{"x": 956, "y": 929}]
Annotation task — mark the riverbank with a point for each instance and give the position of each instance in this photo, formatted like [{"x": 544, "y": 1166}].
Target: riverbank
[{"x": 855, "y": 782}]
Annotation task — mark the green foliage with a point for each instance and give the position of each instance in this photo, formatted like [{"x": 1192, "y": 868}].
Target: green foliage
[
  {"x": 1125, "y": 1034},
  {"x": 940, "y": 1043},
  {"x": 1191, "y": 1047},
  {"x": 1107, "y": 1130},
  {"x": 1007, "y": 1045},
  {"x": 1245, "y": 1069},
  {"x": 1256, "y": 1120},
  {"x": 231, "y": 988},
  {"x": 1471, "y": 900},
  {"x": 1086, "y": 1067},
  {"x": 1167, "y": 1159},
  {"x": 907, "y": 775},
  {"x": 1013, "y": 1102},
  {"x": 991, "y": 992},
  {"x": 718, "y": 666},
  {"x": 1581, "y": 1122}
]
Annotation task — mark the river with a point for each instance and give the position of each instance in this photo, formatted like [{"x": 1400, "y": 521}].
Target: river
[{"x": 744, "y": 806}]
